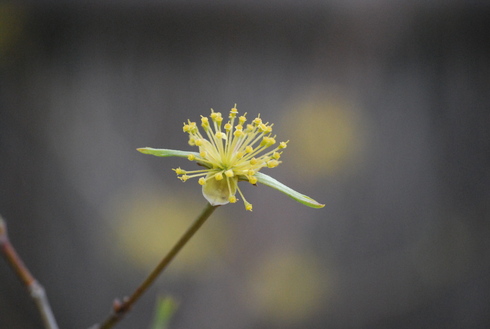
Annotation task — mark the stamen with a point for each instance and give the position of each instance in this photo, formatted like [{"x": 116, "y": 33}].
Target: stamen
[
  {"x": 179, "y": 171},
  {"x": 228, "y": 151},
  {"x": 248, "y": 206},
  {"x": 238, "y": 133},
  {"x": 233, "y": 112},
  {"x": 205, "y": 123},
  {"x": 220, "y": 135},
  {"x": 272, "y": 163}
]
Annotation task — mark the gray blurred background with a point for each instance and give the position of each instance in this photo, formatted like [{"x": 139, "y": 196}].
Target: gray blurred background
[{"x": 387, "y": 108}]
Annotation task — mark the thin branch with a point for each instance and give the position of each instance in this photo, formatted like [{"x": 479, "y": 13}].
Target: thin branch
[
  {"x": 35, "y": 289},
  {"x": 121, "y": 308}
]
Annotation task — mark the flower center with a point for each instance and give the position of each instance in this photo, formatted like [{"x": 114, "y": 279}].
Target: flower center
[{"x": 230, "y": 152}]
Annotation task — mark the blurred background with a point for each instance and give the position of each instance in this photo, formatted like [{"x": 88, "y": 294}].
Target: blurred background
[{"x": 386, "y": 105}]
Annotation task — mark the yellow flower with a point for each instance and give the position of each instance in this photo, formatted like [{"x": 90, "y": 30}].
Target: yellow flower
[{"x": 231, "y": 152}]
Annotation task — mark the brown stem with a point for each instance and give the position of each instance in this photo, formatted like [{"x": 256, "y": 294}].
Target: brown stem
[
  {"x": 35, "y": 289},
  {"x": 121, "y": 308}
]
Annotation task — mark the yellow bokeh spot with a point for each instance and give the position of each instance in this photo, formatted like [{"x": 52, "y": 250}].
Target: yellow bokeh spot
[
  {"x": 287, "y": 287},
  {"x": 12, "y": 20},
  {"x": 148, "y": 223},
  {"x": 327, "y": 136}
]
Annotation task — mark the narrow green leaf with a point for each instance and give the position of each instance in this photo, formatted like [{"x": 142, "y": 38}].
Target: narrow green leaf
[
  {"x": 271, "y": 182},
  {"x": 165, "y": 152},
  {"x": 165, "y": 310}
]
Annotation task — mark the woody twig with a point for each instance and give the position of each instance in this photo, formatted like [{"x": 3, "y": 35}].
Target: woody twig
[{"x": 35, "y": 289}]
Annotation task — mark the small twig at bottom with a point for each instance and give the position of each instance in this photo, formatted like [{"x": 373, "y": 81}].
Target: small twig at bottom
[
  {"x": 121, "y": 308},
  {"x": 35, "y": 289}
]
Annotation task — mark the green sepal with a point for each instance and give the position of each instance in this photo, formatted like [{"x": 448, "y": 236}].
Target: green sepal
[
  {"x": 301, "y": 198},
  {"x": 166, "y": 152}
]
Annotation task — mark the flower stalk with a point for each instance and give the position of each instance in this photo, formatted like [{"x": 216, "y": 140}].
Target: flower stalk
[
  {"x": 121, "y": 308},
  {"x": 229, "y": 152}
]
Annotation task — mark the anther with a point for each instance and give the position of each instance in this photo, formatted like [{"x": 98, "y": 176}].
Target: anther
[
  {"x": 262, "y": 127},
  {"x": 242, "y": 119},
  {"x": 272, "y": 163},
  {"x": 248, "y": 206},
  {"x": 204, "y": 122},
  {"x": 179, "y": 171},
  {"x": 220, "y": 135}
]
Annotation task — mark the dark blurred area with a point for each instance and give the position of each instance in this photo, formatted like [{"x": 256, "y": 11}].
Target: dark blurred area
[{"x": 387, "y": 109}]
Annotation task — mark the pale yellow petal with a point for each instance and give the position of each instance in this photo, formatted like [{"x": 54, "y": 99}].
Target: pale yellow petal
[{"x": 218, "y": 192}]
